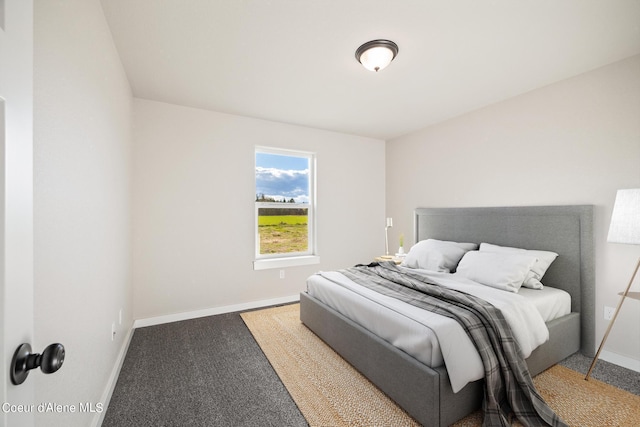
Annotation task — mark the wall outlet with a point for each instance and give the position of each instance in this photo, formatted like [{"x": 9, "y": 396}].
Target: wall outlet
[
  {"x": 608, "y": 312},
  {"x": 282, "y": 274}
]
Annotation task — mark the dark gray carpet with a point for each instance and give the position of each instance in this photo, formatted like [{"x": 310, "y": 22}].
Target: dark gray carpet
[
  {"x": 200, "y": 372},
  {"x": 211, "y": 372}
]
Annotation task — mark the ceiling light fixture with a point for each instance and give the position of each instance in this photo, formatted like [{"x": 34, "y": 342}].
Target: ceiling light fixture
[{"x": 376, "y": 54}]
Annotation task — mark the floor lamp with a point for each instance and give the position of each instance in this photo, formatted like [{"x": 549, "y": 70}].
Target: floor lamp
[{"x": 624, "y": 228}]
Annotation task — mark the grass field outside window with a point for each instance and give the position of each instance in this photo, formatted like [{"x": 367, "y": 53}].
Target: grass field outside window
[{"x": 283, "y": 233}]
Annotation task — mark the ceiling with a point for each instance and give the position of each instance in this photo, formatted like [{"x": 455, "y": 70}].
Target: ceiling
[{"x": 293, "y": 61}]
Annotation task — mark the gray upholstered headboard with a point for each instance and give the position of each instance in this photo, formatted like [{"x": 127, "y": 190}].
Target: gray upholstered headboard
[{"x": 566, "y": 230}]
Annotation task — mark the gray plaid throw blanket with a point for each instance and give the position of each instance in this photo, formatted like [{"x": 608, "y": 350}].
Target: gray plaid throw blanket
[{"x": 509, "y": 389}]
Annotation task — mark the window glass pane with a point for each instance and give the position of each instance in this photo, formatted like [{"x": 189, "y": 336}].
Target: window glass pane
[
  {"x": 282, "y": 230},
  {"x": 283, "y": 196},
  {"x": 282, "y": 178}
]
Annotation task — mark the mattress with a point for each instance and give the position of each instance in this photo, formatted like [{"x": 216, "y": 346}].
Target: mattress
[{"x": 407, "y": 327}]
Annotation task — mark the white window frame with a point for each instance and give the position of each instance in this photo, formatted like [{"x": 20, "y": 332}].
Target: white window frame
[{"x": 289, "y": 259}]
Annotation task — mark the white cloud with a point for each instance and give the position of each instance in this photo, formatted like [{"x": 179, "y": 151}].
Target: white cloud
[{"x": 280, "y": 183}]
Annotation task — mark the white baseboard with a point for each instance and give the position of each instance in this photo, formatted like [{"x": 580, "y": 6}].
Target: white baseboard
[
  {"x": 620, "y": 360},
  {"x": 151, "y": 321},
  {"x": 113, "y": 379}
]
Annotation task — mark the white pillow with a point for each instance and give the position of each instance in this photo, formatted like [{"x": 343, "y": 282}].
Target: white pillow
[
  {"x": 545, "y": 258},
  {"x": 504, "y": 271},
  {"x": 437, "y": 255}
]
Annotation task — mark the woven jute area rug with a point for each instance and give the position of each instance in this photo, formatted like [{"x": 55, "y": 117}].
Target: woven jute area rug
[{"x": 330, "y": 392}]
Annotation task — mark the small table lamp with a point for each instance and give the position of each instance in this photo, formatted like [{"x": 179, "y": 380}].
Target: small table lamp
[
  {"x": 624, "y": 228},
  {"x": 386, "y": 235}
]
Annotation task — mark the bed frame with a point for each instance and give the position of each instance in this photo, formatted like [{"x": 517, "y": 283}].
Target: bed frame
[{"x": 426, "y": 393}]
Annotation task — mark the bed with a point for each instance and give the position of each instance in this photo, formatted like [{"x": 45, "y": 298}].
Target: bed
[{"x": 425, "y": 392}]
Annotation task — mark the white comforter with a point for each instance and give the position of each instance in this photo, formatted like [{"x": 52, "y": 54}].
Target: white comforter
[{"x": 460, "y": 356}]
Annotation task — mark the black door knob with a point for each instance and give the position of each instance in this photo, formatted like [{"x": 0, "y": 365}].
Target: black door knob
[
  {"x": 23, "y": 361},
  {"x": 51, "y": 358}
]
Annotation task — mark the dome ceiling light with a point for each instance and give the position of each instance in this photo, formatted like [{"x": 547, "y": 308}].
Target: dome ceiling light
[{"x": 376, "y": 54}]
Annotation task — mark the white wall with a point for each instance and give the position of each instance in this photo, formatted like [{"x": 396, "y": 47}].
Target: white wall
[
  {"x": 82, "y": 132},
  {"x": 574, "y": 142},
  {"x": 194, "y": 198}
]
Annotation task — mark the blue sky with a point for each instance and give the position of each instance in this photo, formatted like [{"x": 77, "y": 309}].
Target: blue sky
[{"x": 281, "y": 176}]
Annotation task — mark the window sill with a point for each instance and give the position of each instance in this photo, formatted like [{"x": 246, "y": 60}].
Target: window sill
[{"x": 264, "y": 264}]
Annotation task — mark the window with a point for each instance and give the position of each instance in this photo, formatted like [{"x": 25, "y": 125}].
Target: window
[{"x": 284, "y": 208}]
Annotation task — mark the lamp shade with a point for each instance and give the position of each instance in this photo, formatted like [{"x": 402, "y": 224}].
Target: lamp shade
[
  {"x": 376, "y": 54},
  {"x": 625, "y": 219}
]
